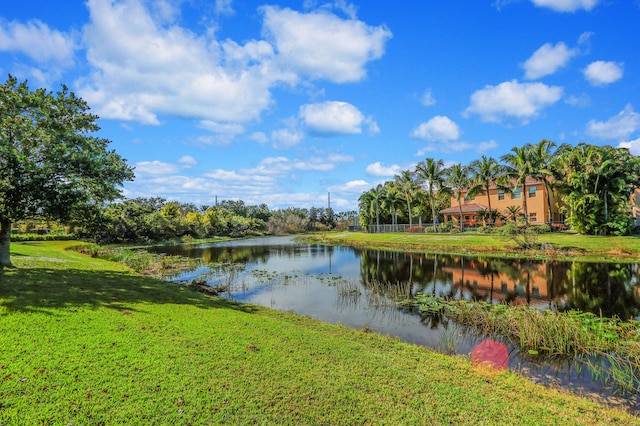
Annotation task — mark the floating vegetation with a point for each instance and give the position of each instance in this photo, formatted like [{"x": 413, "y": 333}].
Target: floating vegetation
[{"x": 140, "y": 260}]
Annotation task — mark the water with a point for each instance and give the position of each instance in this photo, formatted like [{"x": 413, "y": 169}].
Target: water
[{"x": 359, "y": 289}]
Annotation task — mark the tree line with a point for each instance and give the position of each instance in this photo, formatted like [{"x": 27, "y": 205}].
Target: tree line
[
  {"x": 594, "y": 183},
  {"x": 156, "y": 219}
]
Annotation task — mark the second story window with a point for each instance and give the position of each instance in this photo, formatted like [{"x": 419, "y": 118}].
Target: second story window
[
  {"x": 532, "y": 192},
  {"x": 516, "y": 194},
  {"x": 501, "y": 195}
]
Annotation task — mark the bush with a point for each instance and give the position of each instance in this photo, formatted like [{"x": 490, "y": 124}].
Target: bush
[
  {"x": 485, "y": 229},
  {"x": 446, "y": 226},
  {"x": 414, "y": 229},
  {"x": 42, "y": 237},
  {"x": 540, "y": 229}
]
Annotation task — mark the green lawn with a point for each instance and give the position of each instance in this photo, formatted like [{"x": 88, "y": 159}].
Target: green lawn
[
  {"x": 85, "y": 341},
  {"x": 566, "y": 245}
]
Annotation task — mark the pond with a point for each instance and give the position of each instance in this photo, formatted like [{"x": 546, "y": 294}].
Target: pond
[{"x": 359, "y": 288}]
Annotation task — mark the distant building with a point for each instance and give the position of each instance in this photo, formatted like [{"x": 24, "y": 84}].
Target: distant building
[{"x": 537, "y": 206}]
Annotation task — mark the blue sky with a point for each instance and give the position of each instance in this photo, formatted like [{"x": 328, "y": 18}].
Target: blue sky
[{"x": 282, "y": 102}]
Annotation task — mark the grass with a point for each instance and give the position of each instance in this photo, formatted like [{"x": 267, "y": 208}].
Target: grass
[
  {"x": 86, "y": 341},
  {"x": 565, "y": 245}
]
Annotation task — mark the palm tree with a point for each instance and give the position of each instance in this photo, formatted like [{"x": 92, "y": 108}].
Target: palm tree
[
  {"x": 513, "y": 213},
  {"x": 391, "y": 199},
  {"x": 458, "y": 181},
  {"x": 484, "y": 174},
  {"x": 519, "y": 166},
  {"x": 543, "y": 156},
  {"x": 432, "y": 173},
  {"x": 407, "y": 185},
  {"x": 377, "y": 194},
  {"x": 364, "y": 204}
]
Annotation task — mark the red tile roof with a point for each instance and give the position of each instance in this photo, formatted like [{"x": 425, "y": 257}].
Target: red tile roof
[{"x": 466, "y": 208}]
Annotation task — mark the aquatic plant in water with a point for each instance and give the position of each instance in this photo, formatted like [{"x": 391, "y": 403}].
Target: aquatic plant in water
[{"x": 610, "y": 347}]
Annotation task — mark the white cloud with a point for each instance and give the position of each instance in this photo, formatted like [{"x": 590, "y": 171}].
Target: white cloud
[
  {"x": 354, "y": 186},
  {"x": 187, "y": 161},
  {"x": 225, "y": 132},
  {"x": 224, "y": 7},
  {"x": 633, "y": 146},
  {"x": 547, "y": 60},
  {"x": 144, "y": 65},
  {"x": 618, "y": 127},
  {"x": 280, "y": 166},
  {"x": 567, "y": 5},
  {"x": 143, "y": 68},
  {"x": 377, "y": 169},
  {"x": 580, "y": 101},
  {"x": 37, "y": 41},
  {"x": 427, "y": 98},
  {"x": 438, "y": 129},
  {"x": 322, "y": 45},
  {"x": 332, "y": 118},
  {"x": 447, "y": 148},
  {"x": 259, "y": 137},
  {"x": 486, "y": 146},
  {"x": 286, "y": 138},
  {"x": 600, "y": 73},
  {"x": 511, "y": 99},
  {"x": 155, "y": 168}
]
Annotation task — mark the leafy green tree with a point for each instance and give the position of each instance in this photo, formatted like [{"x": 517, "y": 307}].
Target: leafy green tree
[
  {"x": 519, "y": 165},
  {"x": 484, "y": 174},
  {"x": 458, "y": 180},
  {"x": 432, "y": 173},
  {"x": 49, "y": 162},
  {"x": 596, "y": 186}
]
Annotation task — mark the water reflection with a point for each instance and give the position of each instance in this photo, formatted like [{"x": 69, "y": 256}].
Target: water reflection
[
  {"x": 602, "y": 288},
  {"x": 359, "y": 288}
]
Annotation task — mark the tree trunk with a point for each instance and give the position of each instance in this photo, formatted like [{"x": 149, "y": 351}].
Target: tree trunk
[
  {"x": 490, "y": 212},
  {"x": 524, "y": 204},
  {"x": 5, "y": 241}
]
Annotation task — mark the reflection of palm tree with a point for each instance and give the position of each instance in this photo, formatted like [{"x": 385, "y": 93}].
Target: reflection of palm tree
[{"x": 487, "y": 268}]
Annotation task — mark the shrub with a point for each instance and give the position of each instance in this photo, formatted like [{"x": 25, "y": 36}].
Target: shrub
[
  {"x": 42, "y": 237},
  {"x": 446, "y": 226},
  {"x": 414, "y": 229},
  {"x": 485, "y": 229},
  {"x": 540, "y": 229}
]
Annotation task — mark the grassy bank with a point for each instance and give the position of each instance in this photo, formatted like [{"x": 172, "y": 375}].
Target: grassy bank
[
  {"x": 564, "y": 245},
  {"x": 86, "y": 341}
]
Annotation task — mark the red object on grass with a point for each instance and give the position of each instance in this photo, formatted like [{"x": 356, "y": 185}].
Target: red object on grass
[{"x": 490, "y": 352}]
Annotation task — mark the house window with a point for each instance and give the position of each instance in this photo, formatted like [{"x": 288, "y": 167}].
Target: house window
[
  {"x": 501, "y": 195},
  {"x": 532, "y": 192},
  {"x": 516, "y": 194},
  {"x": 466, "y": 217},
  {"x": 533, "y": 217}
]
